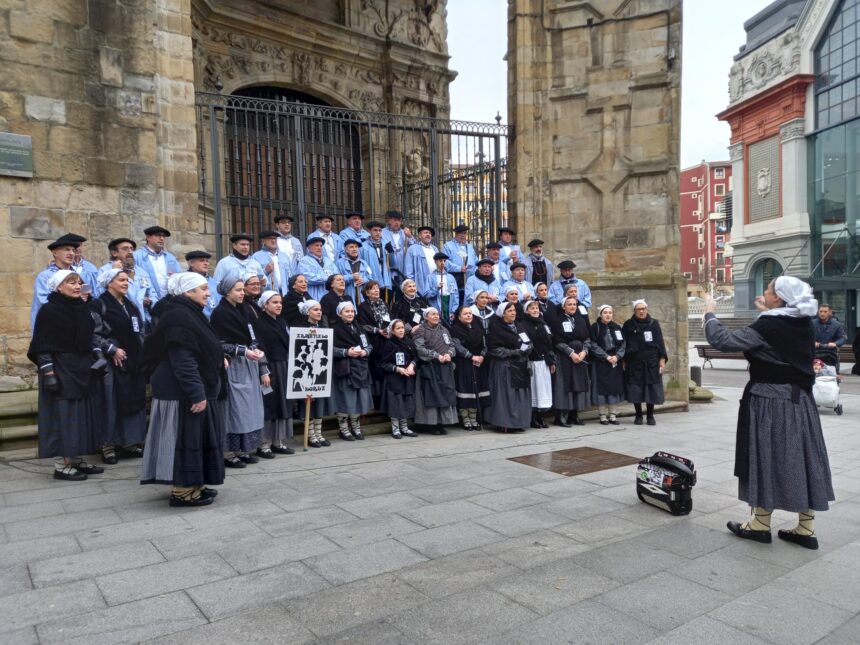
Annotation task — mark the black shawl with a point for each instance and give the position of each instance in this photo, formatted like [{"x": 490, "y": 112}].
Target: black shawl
[
  {"x": 231, "y": 323},
  {"x": 404, "y": 350},
  {"x": 793, "y": 340},
  {"x": 638, "y": 348},
  {"x": 373, "y": 313},
  {"x": 355, "y": 369},
  {"x": 541, "y": 336},
  {"x": 63, "y": 326},
  {"x": 129, "y": 382},
  {"x": 405, "y": 309},
  {"x": 605, "y": 337},
  {"x": 290, "y": 312},
  {"x": 470, "y": 337},
  {"x": 503, "y": 336},
  {"x": 329, "y": 303},
  {"x": 574, "y": 335},
  {"x": 184, "y": 325},
  {"x": 274, "y": 337}
]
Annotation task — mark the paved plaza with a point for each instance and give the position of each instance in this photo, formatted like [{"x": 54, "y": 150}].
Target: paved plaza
[{"x": 432, "y": 540}]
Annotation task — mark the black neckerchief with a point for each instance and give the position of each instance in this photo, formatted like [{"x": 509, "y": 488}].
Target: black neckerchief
[
  {"x": 604, "y": 335},
  {"x": 488, "y": 279},
  {"x": 504, "y": 335},
  {"x": 231, "y": 323},
  {"x": 63, "y": 325},
  {"x": 579, "y": 331},
  {"x": 239, "y": 256},
  {"x": 470, "y": 336},
  {"x": 274, "y": 337}
]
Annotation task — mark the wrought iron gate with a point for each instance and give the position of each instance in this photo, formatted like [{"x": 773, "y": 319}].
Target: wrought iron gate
[{"x": 261, "y": 157}]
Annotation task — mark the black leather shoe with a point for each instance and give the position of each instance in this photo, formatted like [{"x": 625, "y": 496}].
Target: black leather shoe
[
  {"x": 200, "y": 501},
  {"x": 357, "y": 434},
  {"x": 560, "y": 422},
  {"x": 249, "y": 459},
  {"x": 577, "y": 421},
  {"x": 234, "y": 462},
  {"x": 757, "y": 536},
  {"x": 283, "y": 450},
  {"x": 614, "y": 422},
  {"x": 651, "y": 421},
  {"x": 313, "y": 443},
  {"x": 266, "y": 453},
  {"x": 542, "y": 421},
  {"x": 325, "y": 442},
  {"x": 535, "y": 424},
  {"x": 638, "y": 420},
  {"x": 70, "y": 475},
  {"x": 806, "y": 541},
  {"x": 209, "y": 492},
  {"x": 109, "y": 458},
  {"x": 346, "y": 435},
  {"x": 132, "y": 452}
]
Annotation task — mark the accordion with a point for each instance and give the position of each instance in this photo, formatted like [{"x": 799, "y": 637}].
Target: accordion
[{"x": 666, "y": 481}]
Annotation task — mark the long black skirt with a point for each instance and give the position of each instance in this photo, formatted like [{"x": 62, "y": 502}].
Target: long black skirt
[
  {"x": 275, "y": 404},
  {"x": 121, "y": 428},
  {"x": 183, "y": 448},
  {"x": 643, "y": 382},
  {"x": 69, "y": 427},
  {"x": 472, "y": 385},
  {"x": 511, "y": 407}
]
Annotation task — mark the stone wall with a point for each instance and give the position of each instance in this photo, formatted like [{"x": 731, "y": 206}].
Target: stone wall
[
  {"x": 105, "y": 90},
  {"x": 594, "y": 100}
]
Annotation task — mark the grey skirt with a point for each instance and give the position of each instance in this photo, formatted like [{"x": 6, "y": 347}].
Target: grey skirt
[
  {"x": 120, "y": 429},
  {"x": 425, "y": 415},
  {"x": 788, "y": 468},
  {"x": 350, "y": 400},
  {"x": 244, "y": 396},
  {"x": 509, "y": 407},
  {"x": 563, "y": 399}
]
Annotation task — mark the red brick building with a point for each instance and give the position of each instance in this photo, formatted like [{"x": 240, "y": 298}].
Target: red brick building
[{"x": 705, "y": 226}]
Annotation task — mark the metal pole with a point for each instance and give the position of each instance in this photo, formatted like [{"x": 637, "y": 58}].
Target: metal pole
[
  {"x": 497, "y": 184},
  {"x": 371, "y": 183},
  {"x": 216, "y": 179},
  {"x": 298, "y": 166},
  {"x": 434, "y": 179}
]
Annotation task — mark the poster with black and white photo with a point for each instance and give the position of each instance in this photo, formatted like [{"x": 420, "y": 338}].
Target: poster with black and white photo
[{"x": 310, "y": 362}]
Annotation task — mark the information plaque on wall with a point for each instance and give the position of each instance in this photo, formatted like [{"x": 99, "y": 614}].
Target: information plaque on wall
[{"x": 16, "y": 155}]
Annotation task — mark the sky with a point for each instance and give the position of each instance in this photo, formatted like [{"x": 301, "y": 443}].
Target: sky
[{"x": 477, "y": 42}]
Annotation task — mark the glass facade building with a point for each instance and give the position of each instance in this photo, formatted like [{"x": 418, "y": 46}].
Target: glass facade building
[{"x": 834, "y": 165}]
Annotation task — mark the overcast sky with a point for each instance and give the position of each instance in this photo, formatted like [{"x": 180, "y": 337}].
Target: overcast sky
[{"x": 477, "y": 42}]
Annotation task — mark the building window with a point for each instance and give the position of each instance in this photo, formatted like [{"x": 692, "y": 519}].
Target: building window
[
  {"x": 719, "y": 190},
  {"x": 721, "y": 275},
  {"x": 688, "y": 275},
  {"x": 837, "y": 64},
  {"x": 719, "y": 173},
  {"x": 692, "y": 260}
]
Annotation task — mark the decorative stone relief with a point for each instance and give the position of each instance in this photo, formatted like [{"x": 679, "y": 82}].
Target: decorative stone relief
[
  {"x": 421, "y": 24},
  {"x": 736, "y": 152},
  {"x": 795, "y": 129},
  {"x": 773, "y": 60},
  {"x": 763, "y": 182}
]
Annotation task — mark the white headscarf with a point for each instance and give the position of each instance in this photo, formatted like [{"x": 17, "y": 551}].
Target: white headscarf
[
  {"x": 565, "y": 299},
  {"x": 306, "y": 306},
  {"x": 427, "y": 310},
  {"x": 180, "y": 283},
  {"x": 636, "y": 303},
  {"x": 602, "y": 307},
  {"x": 266, "y": 296},
  {"x": 797, "y": 296},
  {"x": 474, "y": 297},
  {"x": 57, "y": 279},
  {"x": 106, "y": 277},
  {"x": 405, "y": 282},
  {"x": 530, "y": 303},
  {"x": 344, "y": 305},
  {"x": 500, "y": 310}
]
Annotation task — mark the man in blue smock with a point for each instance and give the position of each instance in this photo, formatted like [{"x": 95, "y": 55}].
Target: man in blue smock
[
  {"x": 440, "y": 289},
  {"x": 83, "y": 267},
  {"x": 483, "y": 280},
  {"x": 538, "y": 267},
  {"x": 463, "y": 259},
  {"x": 332, "y": 242},
  {"x": 316, "y": 267},
  {"x": 289, "y": 245},
  {"x": 354, "y": 230},
  {"x": 518, "y": 280},
  {"x": 198, "y": 262},
  {"x": 396, "y": 240},
  {"x": 501, "y": 271},
  {"x": 239, "y": 262},
  {"x": 155, "y": 264},
  {"x": 373, "y": 252},
  {"x": 63, "y": 250},
  {"x": 419, "y": 257},
  {"x": 355, "y": 271},
  {"x": 122, "y": 257},
  {"x": 556, "y": 289},
  {"x": 510, "y": 252},
  {"x": 276, "y": 266}
]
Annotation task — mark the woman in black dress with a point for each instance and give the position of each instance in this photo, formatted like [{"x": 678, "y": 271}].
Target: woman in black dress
[
  {"x": 409, "y": 306},
  {"x": 62, "y": 348},
  {"x": 508, "y": 349},
  {"x": 351, "y": 383},
  {"x": 607, "y": 372},
  {"x": 297, "y": 294},
  {"x": 124, "y": 384},
  {"x": 184, "y": 447},
  {"x": 335, "y": 295},
  {"x": 571, "y": 386},
  {"x": 543, "y": 362},
  {"x": 473, "y": 390},
  {"x": 542, "y": 297},
  {"x": 399, "y": 363},
  {"x": 274, "y": 337},
  {"x": 644, "y": 362},
  {"x": 374, "y": 319}
]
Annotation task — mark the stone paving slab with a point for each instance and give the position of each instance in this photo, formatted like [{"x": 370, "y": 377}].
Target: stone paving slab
[{"x": 440, "y": 539}]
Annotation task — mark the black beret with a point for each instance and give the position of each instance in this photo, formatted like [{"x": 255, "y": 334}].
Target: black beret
[
  {"x": 375, "y": 223},
  {"x": 351, "y": 241},
  {"x": 517, "y": 265},
  {"x": 461, "y": 228},
  {"x": 484, "y": 261},
  {"x": 264, "y": 234},
  {"x": 536, "y": 242},
  {"x": 494, "y": 245},
  {"x": 70, "y": 239},
  {"x": 313, "y": 240},
  {"x": 282, "y": 216},
  {"x": 394, "y": 214},
  {"x": 427, "y": 228},
  {"x": 156, "y": 230},
  {"x": 567, "y": 264},
  {"x": 115, "y": 243},
  {"x": 324, "y": 216},
  {"x": 197, "y": 255},
  {"x": 506, "y": 229},
  {"x": 441, "y": 256},
  {"x": 240, "y": 236},
  {"x": 348, "y": 215}
]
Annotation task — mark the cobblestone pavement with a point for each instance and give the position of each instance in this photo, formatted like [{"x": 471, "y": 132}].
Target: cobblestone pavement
[{"x": 431, "y": 540}]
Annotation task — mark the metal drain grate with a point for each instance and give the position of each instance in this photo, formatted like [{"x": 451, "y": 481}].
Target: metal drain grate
[{"x": 576, "y": 461}]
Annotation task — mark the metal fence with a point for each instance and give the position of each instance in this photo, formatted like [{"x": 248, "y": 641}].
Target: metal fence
[{"x": 261, "y": 157}]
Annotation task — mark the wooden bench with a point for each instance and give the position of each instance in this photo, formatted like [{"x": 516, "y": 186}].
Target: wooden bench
[{"x": 708, "y": 353}]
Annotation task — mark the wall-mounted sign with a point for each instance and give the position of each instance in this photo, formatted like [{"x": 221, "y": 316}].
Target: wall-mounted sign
[{"x": 16, "y": 155}]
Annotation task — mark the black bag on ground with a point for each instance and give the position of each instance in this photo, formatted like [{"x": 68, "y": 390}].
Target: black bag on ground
[{"x": 666, "y": 481}]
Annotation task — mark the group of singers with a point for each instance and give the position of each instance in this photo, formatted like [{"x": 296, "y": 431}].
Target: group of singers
[{"x": 425, "y": 336}]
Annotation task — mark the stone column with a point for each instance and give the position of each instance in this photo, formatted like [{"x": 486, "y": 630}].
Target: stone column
[{"x": 594, "y": 102}]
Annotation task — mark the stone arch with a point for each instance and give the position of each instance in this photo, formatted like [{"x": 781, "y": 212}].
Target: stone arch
[
  {"x": 328, "y": 95},
  {"x": 764, "y": 267}
]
